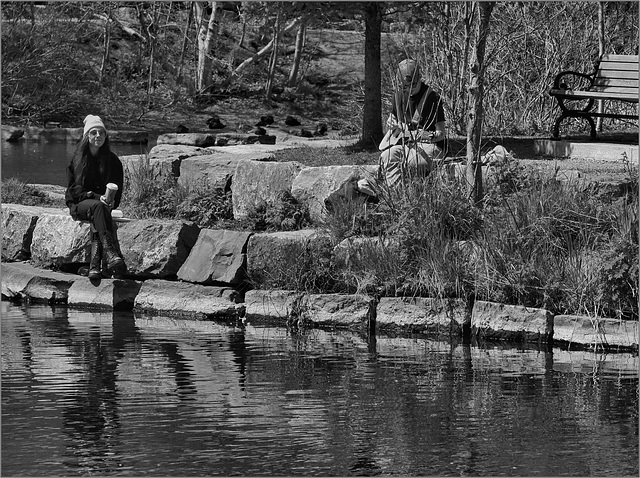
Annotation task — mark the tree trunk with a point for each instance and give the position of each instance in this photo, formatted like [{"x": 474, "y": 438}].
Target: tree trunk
[
  {"x": 601, "y": 50},
  {"x": 273, "y": 61},
  {"x": 476, "y": 111},
  {"x": 297, "y": 55},
  {"x": 107, "y": 43},
  {"x": 207, "y": 33},
  {"x": 153, "y": 28},
  {"x": 372, "y": 109},
  {"x": 184, "y": 45}
]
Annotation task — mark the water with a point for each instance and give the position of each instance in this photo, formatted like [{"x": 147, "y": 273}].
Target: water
[
  {"x": 46, "y": 163},
  {"x": 97, "y": 393}
]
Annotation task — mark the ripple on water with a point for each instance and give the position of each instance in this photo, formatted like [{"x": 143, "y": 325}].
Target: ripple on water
[{"x": 126, "y": 394}]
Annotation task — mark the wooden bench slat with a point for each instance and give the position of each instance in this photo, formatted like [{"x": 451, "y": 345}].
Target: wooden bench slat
[
  {"x": 618, "y": 77},
  {"x": 620, "y": 63},
  {"x": 595, "y": 95},
  {"x": 618, "y": 73},
  {"x": 624, "y": 82},
  {"x": 629, "y": 86},
  {"x": 620, "y": 58}
]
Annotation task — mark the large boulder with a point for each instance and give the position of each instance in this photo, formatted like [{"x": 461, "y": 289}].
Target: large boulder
[
  {"x": 59, "y": 241},
  {"x": 22, "y": 281},
  {"x": 282, "y": 259},
  {"x": 154, "y": 248},
  {"x": 18, "y": 223},
  {"x": 213, "y": 171},
  {"x": 255, "y": 182},
  {"x": 163, "y": 161},
  {"x": 494, "y": 321},
  {"x": 325, "y": 188},
  {"x": 217, "y": 256},
  {"x": 183, "y": 299}
]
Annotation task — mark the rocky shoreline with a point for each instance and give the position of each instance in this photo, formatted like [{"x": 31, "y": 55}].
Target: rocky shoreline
[{"x": 177, "y": 268}]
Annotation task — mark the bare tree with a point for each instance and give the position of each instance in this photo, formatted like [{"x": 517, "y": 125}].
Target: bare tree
[
  {"x": 273, "y": 61},
  {"x": 297, "y": 55},
  {"x": 260, "y": 54},
  {"x": 207, "y": 35},
  {"x": 476, "y": 112},
  {"x": 106, "y": 43}
]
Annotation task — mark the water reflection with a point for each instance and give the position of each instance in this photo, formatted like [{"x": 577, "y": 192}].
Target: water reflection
[{"x": 123, "y": 394}]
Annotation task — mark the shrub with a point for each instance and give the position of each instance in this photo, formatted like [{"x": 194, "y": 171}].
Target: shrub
[
  {"x": 205, "y": 207},
  {"x": 15, "y": 191},
  {"x": 283, "y": 214}
]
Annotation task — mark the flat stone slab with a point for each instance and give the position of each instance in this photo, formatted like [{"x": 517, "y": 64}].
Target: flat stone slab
[
  {"x": 185, "y": 299},
  {"x": 493, "y": 321},
  {"x": 113, "y": 294},
  {"x": 582, "y": 331},
  {"x": 324, "y": 310},
  {"x": 340, "y": 310},
  {"x": 423, "y": 315},
  {"x": 599, "y": 151},
  {"x": 188, "y": 139},
  {"x": 270, "y": 304},
  {"x": 21, "y": 280}
]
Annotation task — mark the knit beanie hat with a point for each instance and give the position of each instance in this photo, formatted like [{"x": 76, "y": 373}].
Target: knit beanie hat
[
  {"x": 409, "y": 68},
  {"x": 92, "y": 121}
]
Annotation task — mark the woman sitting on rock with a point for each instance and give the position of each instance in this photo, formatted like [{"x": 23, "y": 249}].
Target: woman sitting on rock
[{"x": 92, "y": 167}]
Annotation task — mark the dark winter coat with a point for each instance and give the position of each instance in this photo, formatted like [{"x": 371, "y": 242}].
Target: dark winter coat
[{"x": 87, "y": 178}]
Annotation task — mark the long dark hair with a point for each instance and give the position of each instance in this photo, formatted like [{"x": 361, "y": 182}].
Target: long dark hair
[{"x": 80, "y": 159}]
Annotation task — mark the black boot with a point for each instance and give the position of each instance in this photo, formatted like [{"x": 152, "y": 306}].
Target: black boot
[
  {"x": 96, "y": 257},
  {"x": 115, "y": 263}
]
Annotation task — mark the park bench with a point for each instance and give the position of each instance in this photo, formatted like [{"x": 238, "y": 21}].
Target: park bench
[{"x": 614, "y": 80}]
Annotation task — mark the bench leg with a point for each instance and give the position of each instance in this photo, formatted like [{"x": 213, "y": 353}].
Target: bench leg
[
  {"x": 556, "y": 127},
  {"x": 593, "y": 126}
]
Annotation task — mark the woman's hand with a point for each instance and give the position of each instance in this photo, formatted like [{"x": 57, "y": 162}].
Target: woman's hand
[{"x": 103, "y": 200}]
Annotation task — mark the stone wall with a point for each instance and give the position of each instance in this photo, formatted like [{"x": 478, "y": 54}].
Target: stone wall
[{"x": 177, "y": 268}]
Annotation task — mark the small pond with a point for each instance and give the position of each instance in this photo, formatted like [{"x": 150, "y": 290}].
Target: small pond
[
  {"x": 109, "y": 393},
  {"x": 46, "y": 163}
]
